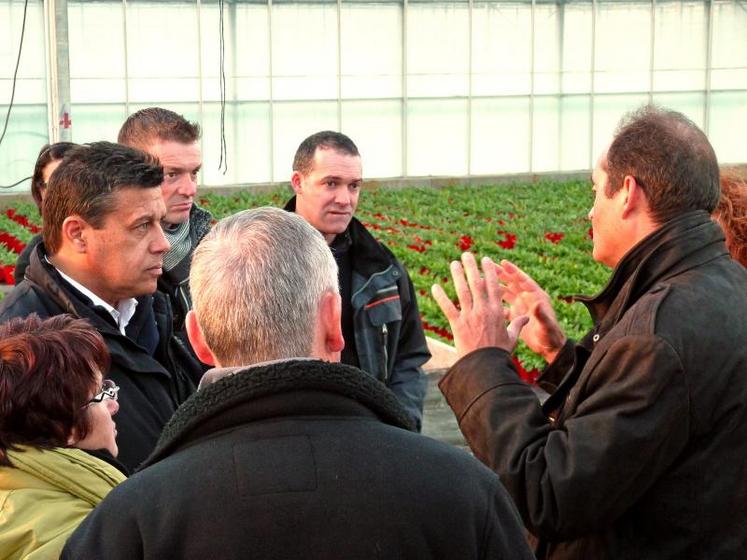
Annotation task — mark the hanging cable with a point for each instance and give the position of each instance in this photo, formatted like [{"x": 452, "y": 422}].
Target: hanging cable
[
  {"x": 15, "y": 73},
  {"x": 223, "y": 165},
  {"x": 13, "y": 90}
]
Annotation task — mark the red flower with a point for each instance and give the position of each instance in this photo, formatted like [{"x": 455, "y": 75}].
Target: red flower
[
  {"x": 424, "y": 270},
  {"x": 440, "y": 331},
  {"x": 464, "y": 243},
  {"x": 422, "y": 292},
  {"x": 22, "y": 220},
  {"x": 591, "y": 233},
  {"x": 6, "y": 274},
  {"x": 11, "y": 242},
  {"x": 418, "y": 248},
  {"x": 554, "y": 237},
  {"x": 509, "y": 240},
  {"x": 380, "y": 216},
  {"x": 528, "y": 376}
]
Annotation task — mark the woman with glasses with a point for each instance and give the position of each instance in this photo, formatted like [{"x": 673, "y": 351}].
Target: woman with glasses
[
  {"x": 57, "y": 435},
  {"x": 49, "y": 158}
]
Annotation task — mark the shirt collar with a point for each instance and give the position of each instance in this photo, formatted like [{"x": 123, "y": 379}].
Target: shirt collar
[{"x": 121, "y": 314}]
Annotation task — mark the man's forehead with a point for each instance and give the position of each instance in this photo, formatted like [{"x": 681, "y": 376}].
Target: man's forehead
[
  {"x": 130, "y": 202},
  {"x": 174, "y": 152},
  {"x": 332, "y": 160}
]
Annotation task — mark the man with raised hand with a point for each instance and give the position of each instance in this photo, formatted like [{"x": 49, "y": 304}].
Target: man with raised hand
[
  {"x": 100, "y": 260},
  {"x": 283, "y": 452},
  {"x": 639, "y": 452},
  {"x": 380, "y": 318},
  {"x": 174, "y": 140}
]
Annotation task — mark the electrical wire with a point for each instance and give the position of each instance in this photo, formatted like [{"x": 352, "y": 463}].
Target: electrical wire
[
  {"x": 223, "y": 165},
  {"x": 13, "y": 90},
  {"x": 15, "y": 73}
]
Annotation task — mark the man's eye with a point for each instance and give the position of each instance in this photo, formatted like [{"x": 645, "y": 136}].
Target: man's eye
[
  {"x": 143, "y": 226},
  {"x": 355, "y": 186},
  {"x": 331, "y": 184},
  {"x": 171, "y": 175}
]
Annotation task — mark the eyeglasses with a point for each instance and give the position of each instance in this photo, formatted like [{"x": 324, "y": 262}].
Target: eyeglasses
[{"x": 109, "y": 390}]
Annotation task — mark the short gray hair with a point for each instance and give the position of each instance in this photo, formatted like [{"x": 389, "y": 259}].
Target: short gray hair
[{"x": 257, "y": 280}]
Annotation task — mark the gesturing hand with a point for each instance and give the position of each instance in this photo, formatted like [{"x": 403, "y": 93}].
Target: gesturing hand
[
  {"x": 542, "y": 334},
  {"x": 479, "y": 323}
]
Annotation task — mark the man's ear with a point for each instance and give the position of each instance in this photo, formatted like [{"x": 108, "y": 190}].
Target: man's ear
[
  {"x": 74, "y": 230},
  {"x": 197, "y": 339},
  {"x": 330, "y": 323},
  {"x": 296, "y": 180},
  {"x": 634, "y": 199}
]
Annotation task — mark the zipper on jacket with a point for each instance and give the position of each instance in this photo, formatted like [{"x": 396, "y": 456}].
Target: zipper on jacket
[{"x": 385, "y": 337}]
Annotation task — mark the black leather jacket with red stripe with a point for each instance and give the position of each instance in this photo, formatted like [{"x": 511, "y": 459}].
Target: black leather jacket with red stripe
[{"x": 389, "y": 337}]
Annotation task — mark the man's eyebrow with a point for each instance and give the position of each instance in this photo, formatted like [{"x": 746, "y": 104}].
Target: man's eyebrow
[
  {"x": 173, "y": 169},
  {"x": 339, "y": 179},
  {"x": 144, "y": 217}
]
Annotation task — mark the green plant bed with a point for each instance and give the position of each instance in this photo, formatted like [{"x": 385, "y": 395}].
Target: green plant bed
[{"x": 541, "y": 227}]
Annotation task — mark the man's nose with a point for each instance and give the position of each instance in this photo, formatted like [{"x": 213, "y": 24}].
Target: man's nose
[
  {"x": 160, "y": 244},
  {"x": 342, "y": 197},
  {"x": 188, "y": 185},
  {"x": 112, "y": 405}
]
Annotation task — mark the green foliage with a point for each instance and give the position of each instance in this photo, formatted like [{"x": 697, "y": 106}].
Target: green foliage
[{"x": 427, "y": 228}]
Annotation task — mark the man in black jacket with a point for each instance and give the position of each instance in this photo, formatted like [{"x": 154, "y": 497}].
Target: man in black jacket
[
  {"x": 174, "y": 140},
  {"x": 639, "y": 452},
  {"x": 101, "y": 257},
  {"x": 380, "y": 318},
  {"x": 283, "y": 453}
]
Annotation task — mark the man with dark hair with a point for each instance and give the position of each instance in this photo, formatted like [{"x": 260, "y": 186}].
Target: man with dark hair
[
  {"x": 380, "y": 319},
  {"x": 174, "y": 140},
  {"x": 49, "y": 158},
  {"x": 283, "y": 452},
  {"x": 100, "y": 260},
  {"x": 639, "y": 451}
]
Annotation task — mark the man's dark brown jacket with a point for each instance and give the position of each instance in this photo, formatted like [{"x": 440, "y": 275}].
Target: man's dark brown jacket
[{"x": 641, "y": 450}]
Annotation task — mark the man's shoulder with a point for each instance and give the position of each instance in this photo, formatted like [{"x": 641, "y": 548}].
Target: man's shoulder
[
  {"x": 366, "y": 244},
  {"x": 200, "y": 222},
  {"x": 26, "y": 298}
]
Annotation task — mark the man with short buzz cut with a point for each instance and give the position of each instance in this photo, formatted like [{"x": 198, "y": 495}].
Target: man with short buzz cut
[
  {"x": 639, "y": 451},
  {"x": 100, "y": 259},
  {"x": 380, "y": 318},
  {"x": 283, "y": 452},
  {"x": 174, "y": 140}
]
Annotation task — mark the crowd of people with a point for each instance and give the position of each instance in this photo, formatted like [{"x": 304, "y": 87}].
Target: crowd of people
[{"x": 171, "y": 388}]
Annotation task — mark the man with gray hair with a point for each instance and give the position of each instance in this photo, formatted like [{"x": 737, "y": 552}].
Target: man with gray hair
[{"x": 283, "y": 452}]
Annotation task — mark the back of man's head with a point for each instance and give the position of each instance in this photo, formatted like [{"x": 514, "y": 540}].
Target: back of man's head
[
  {"x": 670, "y": 158},
  {"x": 85, "y": 183},
  {"x": 143, "y": 128},
  {"x": 257, "y": 281},
  {"x": 326, "y": 140}
]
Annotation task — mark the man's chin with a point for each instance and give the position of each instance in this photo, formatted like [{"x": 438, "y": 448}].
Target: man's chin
[{"x": 175, "y": 218}]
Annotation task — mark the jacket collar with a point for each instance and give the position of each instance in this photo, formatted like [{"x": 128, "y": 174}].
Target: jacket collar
[
  {"x": 278, "y": 389},
  {"x": 200, "y": 222},
  {"x": 679, "y": 245}
]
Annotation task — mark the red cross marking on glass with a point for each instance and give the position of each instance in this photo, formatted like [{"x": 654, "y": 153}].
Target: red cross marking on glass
[{"x": 65, "y": 121}]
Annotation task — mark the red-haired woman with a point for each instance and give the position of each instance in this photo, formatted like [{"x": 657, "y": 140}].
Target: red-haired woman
[
  {"x": 731, "y": 214},
  {"x": 57, "y": 436},
  {"x": 47, "y": 161}
]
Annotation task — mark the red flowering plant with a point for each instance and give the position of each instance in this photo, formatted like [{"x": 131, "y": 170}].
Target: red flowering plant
[{"x": 541, "y": 227}]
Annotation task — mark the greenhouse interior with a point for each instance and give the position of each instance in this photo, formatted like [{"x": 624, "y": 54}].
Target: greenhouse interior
[{"x": 426, "y": 88}]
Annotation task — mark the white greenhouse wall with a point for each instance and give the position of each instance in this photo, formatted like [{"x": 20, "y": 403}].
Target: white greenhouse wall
[{"x": 459, "y": 88}]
